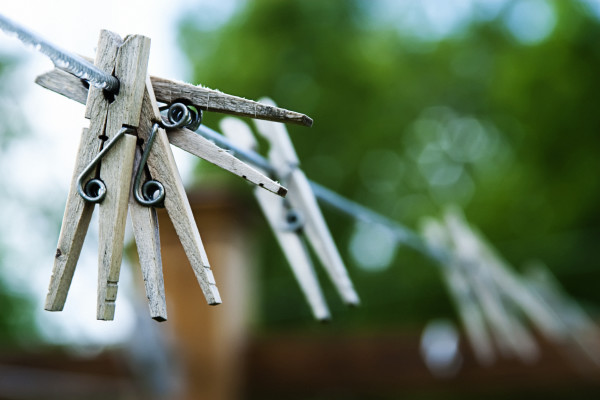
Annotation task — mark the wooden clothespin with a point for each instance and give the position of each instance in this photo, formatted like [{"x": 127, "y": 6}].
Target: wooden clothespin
[
  {"x": 300, "y": 212},
  {"x": 302, "y": 199},
  {"x": 109, "y": 119},
  {"x": 509, "y": 330},
  {"x": 278, "y": 215},
  {"x": 458, "y": 287},
  {"x": 144, "y": 153}
]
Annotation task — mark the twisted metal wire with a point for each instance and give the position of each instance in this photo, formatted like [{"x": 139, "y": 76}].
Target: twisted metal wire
[{"x": 62, "y": 59}]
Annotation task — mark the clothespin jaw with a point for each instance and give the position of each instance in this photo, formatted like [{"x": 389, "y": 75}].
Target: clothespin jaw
[
  {"x": 301, "y": 197},
  {"x": 275, "y": 210}
]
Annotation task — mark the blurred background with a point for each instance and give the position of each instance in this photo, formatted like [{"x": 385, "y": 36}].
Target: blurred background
[{"x": 486, "y": 106}]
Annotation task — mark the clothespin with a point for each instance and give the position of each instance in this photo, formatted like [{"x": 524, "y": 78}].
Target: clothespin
[
  {"x": 303, "y": 201},
  {"x": 508, "y": 330},
  {"x": 298, "y": 213},
  {"x": 512, "y": 287},
  {"x": 461, "y": 293},
  {"x": 109, "y": 119},
  {"x": 278, "y": 215},
  {"x": 147, "y": 157}
]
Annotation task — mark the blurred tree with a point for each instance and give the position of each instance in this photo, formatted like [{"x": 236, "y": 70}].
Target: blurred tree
[
  {"x": 502, "y": 124},
  {"x": 17, "y": 325}
]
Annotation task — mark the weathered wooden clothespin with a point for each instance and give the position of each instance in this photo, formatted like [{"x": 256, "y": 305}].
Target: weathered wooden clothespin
[
  {"x": 281, "y": 220},
  {"x": 130, "y": 129},
  {"x": 110, "y": 120},
  {"x": 298, "y": 213}
]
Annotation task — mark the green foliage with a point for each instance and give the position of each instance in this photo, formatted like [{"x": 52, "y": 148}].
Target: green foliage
[
  {"x": 406, "y": 125},
  {"x": 17, "y": 326}
]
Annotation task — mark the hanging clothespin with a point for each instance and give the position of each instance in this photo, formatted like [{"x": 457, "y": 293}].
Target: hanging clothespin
[
  {"x": 110, "y": 120},
  {"x": 510, "y": 333},
  {"x": 299, "y": 213},
  {"x": 284, "y": 224},
  {"x": 144, "y": 155},
  {"x": 460, "y": 291},
  {"x": 509, "y": 284},
  {"x": 303, "y": 203}
]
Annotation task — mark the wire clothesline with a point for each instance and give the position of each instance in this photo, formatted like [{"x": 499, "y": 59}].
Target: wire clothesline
[{"x": 401, "y": 233}]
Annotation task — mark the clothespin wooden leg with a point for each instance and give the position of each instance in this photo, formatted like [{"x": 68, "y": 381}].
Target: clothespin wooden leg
[
  {"x": 77, "y": 211},
  {"x": 319, "y": 237},
  {"x": 76, "y": 221},
  {"x": 145, "y": 229},
  {"x": 295, "y": 252},
  {"x": 117, "y": 168},
  {"x": 207, "y": 150},
  {"x": 283, "y": 157},
  {"x": 163, "y": 168}
]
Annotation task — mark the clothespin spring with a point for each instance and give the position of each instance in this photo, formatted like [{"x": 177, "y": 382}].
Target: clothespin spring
[
  {"x": 153, "y": 192},
  {"x": 180, "y": 115},
  {"x": 294, "y": 220},
  {"x": 94, "y": 190}
]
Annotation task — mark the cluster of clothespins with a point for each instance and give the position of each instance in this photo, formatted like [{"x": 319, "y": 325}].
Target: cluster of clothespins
[
  {"x": 125, "y": 165},
  {"x": 496, "y": 305},
  {"x": 107, "y": 164}
]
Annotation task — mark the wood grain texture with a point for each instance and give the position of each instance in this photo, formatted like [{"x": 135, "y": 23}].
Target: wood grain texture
[
  {"x": 75, "y": 223},
  {"x": 207, "y": 150},
  {"x": 117, "y": 168},
  {"x": 106, "y": 56},
  {"x": 163, "y": 168},
  {"x": 147, "y": 239},
  {"x": 78, "y": 212},
  {"x": 55, "y": 81},
  {"x": 169, "y": 91},
  {"x": 62, "y": 83},
  {"x": 116, "y": 173}
]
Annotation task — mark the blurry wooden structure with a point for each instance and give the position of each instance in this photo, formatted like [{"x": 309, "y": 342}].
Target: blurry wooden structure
[{"x": 209, "y": 341}]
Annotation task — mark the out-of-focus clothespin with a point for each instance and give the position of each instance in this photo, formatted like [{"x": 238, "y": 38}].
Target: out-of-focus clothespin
[
  {"x": 512, "y": 336},
  {"x": 303, "y": 201},
  {"x": 511, "y": 287},
  {"x": 281, "y": 219},
  {"x": 460, "y": 291},
  {"x": 299, "y": 213}
]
